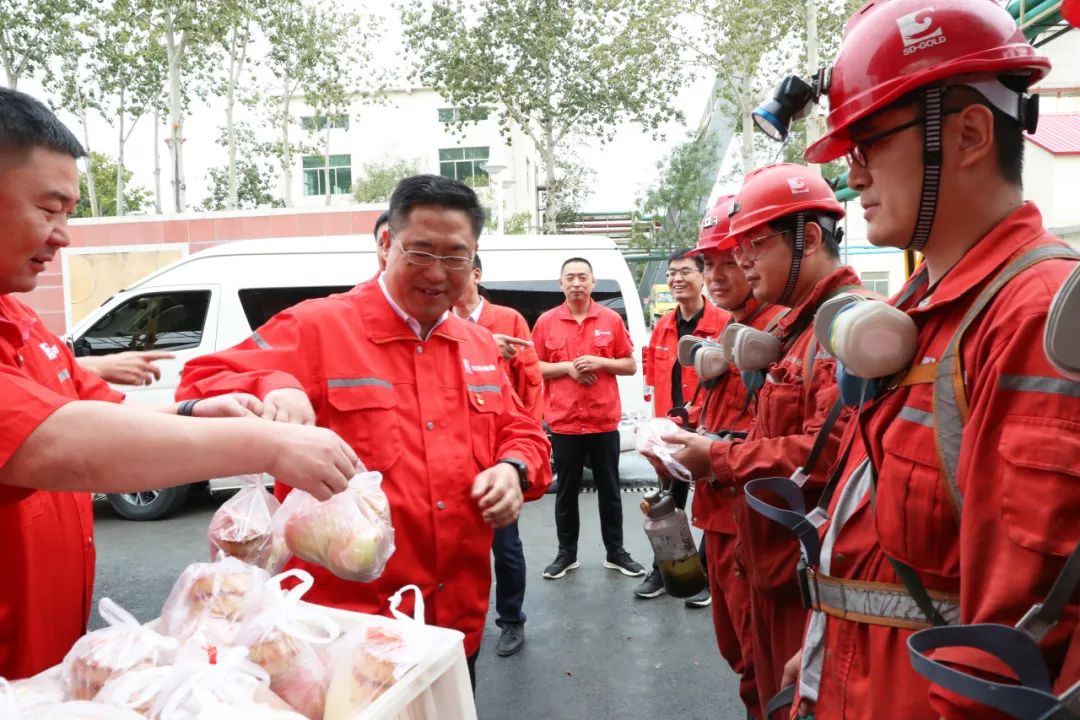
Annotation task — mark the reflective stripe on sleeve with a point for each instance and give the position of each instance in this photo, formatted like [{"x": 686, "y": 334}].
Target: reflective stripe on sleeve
[
  {"x": 258, "y": 340},
  {"x": 1038, "y": 384},
  {"x": 359, "y": 382}
]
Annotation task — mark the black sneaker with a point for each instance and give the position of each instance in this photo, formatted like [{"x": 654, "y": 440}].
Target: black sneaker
[
  {"x": 620, "y": 560},
  {"x": 652, "y": 586},
  {"x": 511, "y": 640},
  {"x": 563, "y": 562},
  {"x": 702, "y": 600}
]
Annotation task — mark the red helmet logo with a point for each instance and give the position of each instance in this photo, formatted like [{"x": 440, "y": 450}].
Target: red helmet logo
[{"x": 918, "y": 31}]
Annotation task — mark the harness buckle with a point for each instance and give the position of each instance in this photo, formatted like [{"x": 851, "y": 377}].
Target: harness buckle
[
  {"x": 817, "y": 517},
  {"x": 1033, "y": 625},
  {"x": 806, "y": 577},
  {"x": 799, "y": 477}
]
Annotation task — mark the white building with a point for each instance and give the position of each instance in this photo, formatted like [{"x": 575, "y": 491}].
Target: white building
[{"x": 415, "y": 125}]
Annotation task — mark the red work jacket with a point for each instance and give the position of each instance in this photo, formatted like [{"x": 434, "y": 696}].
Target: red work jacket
[
  {"x": 788, "y": 414},
  {"x": 47, "y": 538},
  {"x": 523, "y": 370},
  {"x": 1019, "y": 478},
  {"x": 429, "y": 415},
  {"x": 569, "y": 407},
  {"x": 660, "y": 355},
  {"x": 725, "y": 407}
]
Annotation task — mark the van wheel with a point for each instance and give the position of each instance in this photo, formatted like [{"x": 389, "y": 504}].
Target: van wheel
[{"x": 149, "y": 504}]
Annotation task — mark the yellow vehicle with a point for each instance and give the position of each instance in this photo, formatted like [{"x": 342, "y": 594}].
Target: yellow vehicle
[{"x": 660, "y": 302}]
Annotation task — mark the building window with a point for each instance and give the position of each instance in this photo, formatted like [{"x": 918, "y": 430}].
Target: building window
[
  {"x": 318, "y": 122},
  {"x": 315, "y": 174},
  {"x": 464, "y": 164},
  {"x": 461, "y": 114},
  {"x": 876, "y": 282}
]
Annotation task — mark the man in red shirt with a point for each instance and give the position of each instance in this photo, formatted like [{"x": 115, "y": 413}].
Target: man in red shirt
[
  {"x": 64, "y": 434},
  {"x": 726, "y": 409},
  {"x": 582, "y": 346},
  {"x": 419, "y": 393},
  {"x": 522, "y": 368},
  {"x": 672, "y": 385},
  {"x": 785, "y": 222},
  {"x": 960, "y": 501}
]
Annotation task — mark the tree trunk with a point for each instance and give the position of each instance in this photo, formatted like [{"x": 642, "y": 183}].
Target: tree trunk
[
  {"x": 236, "y": 66},
  {"x": 176, "y": 114},
  {"x": 120, "y": 160},
  {"x": 551, "y": 200},
  {"x": 746, "y": 100},
  {"x": 157, "y": 158},
  {"x": 326, "y": 160},
  {"x": 91, "y": 189},
  {"x": 286, "y": 149}
]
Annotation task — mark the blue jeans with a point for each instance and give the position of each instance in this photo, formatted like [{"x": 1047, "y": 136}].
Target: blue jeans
[{"x": 509, "y": 575}]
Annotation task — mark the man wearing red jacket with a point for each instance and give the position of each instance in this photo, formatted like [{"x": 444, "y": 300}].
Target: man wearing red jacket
[
  {"x": 725, "y": 408},
  {"x": 961, "y": 500},
  {"x": 522, "y": 368},
  {"x": 419, "y": 393},
  {"x": 672, "y": 385},
  {"x": 785, "y": 223},
  {"x": 65, "y": 434}
]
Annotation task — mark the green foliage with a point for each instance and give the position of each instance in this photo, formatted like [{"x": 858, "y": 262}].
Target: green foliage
[
  {"x": 573, "y": 186},
  {"x": 254, "y": 188},
  {"x": 32, "y": 33},
  {"x": 136, "y": 199},
  {"x": 518, "y": 223},
  {"x": 685, "y": 177},
  {"x": 553, "y": 67},
  {"x": 377, "y": 180}
]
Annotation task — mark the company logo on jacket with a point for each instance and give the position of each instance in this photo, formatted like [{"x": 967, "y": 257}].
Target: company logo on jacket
[
  {"x": 51, "y": 351},
  {"x": 918, "y": 31},
  {"x": 470, "y": 368}
]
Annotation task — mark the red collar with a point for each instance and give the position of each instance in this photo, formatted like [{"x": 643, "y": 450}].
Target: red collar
[
  {"x": 16, "y": 321},
  {"x": 838, "y": 278}
]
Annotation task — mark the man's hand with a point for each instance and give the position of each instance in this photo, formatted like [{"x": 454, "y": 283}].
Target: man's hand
[
  {"x": 231, "y": 405},
  {"x": 694, "y": 456},
  {"x": 312, "y": 458},
  {"x": 508, "y": 345},
  {"x": 791, "y": 676},
  {"x": 585, "y": 378},
  {"x": 289, "y": 405},
  {"x": 497, "y": 491},
  {"x": 590, "y": 364},
  {"x": 126, "y": 368}
]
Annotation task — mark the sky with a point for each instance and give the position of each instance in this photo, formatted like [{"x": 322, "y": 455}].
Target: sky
[{"x": 625, "y": 166}]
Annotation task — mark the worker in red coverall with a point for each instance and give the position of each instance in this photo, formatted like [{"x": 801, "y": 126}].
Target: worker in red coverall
[
  {"x": 725, "y": 408},
  {"x": 675, "y": 386},
  {"x": 784, "y": 222},
  {"x": 975, "y": 451},
  {"x": 419, "y": 393},
  {"x": 522, "y": 368},
  {"x": 64, "y": 434}
]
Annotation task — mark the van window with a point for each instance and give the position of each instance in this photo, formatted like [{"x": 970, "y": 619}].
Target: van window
[
  {"x": 156, "y": 321},
  {"x": 261, "y": 304},
  {"x": 532, "y": 298}
]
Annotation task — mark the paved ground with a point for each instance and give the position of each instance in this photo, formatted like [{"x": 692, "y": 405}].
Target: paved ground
[{"x": 592, "y": 651}]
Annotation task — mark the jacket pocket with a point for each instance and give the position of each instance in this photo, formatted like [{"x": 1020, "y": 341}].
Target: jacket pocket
[
  {"x": 555, "y": 350},
  {"x": 364, "y": 415},
  {"x": 605, "y": 345},
  {"x": 779, "y": 409},
  {"x": 1040, "y": 503},
  {"x": 485, "y": 408},
  {"x": 915, "y": 515}
]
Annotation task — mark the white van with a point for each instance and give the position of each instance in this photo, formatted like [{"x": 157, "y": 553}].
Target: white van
[{"x": 213, "y": 299}]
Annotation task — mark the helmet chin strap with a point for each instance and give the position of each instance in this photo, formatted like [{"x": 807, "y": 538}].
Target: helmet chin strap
[
  {"x": 932, "y": 105},
  {"x": 796, "y": 260}
]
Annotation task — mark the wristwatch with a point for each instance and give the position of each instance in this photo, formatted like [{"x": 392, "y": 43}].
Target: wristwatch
[{"x": 522, "y": 471}]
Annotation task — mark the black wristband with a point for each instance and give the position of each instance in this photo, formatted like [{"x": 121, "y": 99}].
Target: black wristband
[
  {"x": 186, "y": 408},
  {"x": 522, "y": 471}
]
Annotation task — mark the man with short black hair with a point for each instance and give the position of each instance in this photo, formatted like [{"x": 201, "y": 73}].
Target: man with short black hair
[
  {"x": 674, "y": 388},
  {"x": 582, "y": 347},
  {"x": 419, "y": 393},
  {"x": 522, "y": 368},
  {"x": 382, "y": 224},
  {"x": 64, "y": 434}
]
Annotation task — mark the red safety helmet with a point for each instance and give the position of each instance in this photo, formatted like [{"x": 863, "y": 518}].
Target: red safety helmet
[
  {"x": 1070, "y": 10},
  {"x": 893, "y": 48},
  {"x": 714, "y": 228},
  {"x": 775, "y": 191}
]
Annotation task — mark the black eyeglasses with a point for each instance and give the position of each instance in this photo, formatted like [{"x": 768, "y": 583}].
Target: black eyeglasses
[{"x": 857, "y": 155}]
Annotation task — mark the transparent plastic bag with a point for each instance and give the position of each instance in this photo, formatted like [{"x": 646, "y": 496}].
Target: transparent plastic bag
[
  {"x": 135, "y": 690},
  {"x": 351, "y": 534},
  {"x": 21, "y": 695},
  {"x": 243, "y": 527},
  {"x": 206, "y": 677},
  {"x": 81, "y": 710},
  {"x": 99, "y": 656},
  {"x": 288, "y": 640},
  {"x": 369, "y": 660},
  {"x": 213, "y": 600},
  {"x": 649, "y": 442}
]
